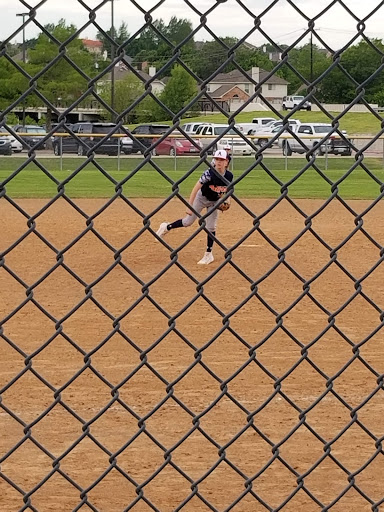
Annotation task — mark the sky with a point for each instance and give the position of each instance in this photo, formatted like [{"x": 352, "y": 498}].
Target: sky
[{"x": 282, "y": 22}]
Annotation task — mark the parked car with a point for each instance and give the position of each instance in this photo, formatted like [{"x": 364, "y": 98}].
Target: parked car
[
  {"x": 312, "y": 134},
  {"x": 190, "y": 128},
  {"x": 126, "y": 145},
  {"x": 261, "y": 121},
  {"x": 212, "y": 133},
  {"x": 146, "y": 129},
  {"x": 278, "y": 122},
  {"x": 71, "y": 144},
  {"x": 37, "y": 134},
  {"x": 290, "y": 102},
  {"x": 176, "y": 146},
  {"x": 5, "y": 145},
  {"x": 16, "y": 145},
  {"x": 262, "y": 138}
]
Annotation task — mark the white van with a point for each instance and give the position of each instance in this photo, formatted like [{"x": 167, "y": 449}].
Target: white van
[
  {"x": 261, "y": 121},
  {"x": 214, "y": 133},
  {"x": 257, "y": 122},
  {"x": 290, "y": 102}
]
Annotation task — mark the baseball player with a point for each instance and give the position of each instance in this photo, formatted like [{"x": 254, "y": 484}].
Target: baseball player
[
  {"x": 228, "y": 149},
  {"x": 207, "y": 191}
]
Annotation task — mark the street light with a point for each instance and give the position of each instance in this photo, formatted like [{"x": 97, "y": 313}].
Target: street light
[{"x": 23, "y": 15}]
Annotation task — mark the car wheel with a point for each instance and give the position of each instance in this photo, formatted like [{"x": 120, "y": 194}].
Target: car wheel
[
  {"x": 318, "y": 152},
  {"x": 56, "y": 150},
  {"x": 284, "y": 107},
  {"x": 262, "y": 142},
  {"x": 287, "y": 151},
  {"x": 80, "y": 151},
  {"x": 309, "y": 108},
  {"x": 172, "y": 152}
]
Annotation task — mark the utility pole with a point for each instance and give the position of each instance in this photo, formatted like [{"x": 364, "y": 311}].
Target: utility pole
[
  {"x": 112, "y": 59},
  {"x": 311, "y": 70},
  {"x": 23, "y": 15}
]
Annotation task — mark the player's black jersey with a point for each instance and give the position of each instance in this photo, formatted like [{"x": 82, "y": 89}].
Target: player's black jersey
[{"x": 213, "y": 184}]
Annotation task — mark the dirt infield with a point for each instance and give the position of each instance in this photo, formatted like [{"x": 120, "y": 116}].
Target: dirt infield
[{"x": 273, "y": 395}]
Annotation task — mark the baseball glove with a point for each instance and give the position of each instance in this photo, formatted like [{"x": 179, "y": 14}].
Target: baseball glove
[{"x": 224, "y": 206}]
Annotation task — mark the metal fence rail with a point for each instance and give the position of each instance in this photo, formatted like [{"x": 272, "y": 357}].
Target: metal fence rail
[{"x": 22, "y": 437}]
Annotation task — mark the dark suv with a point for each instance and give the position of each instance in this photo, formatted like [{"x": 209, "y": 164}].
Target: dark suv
[
  {"x": 146, "y": 129},
  {"x": 37, "y": 134},
  {"x": 70, "y": 144}
]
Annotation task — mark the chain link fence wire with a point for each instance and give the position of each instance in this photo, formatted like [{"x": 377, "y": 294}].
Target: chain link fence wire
[{"x": 246, "y": 435}]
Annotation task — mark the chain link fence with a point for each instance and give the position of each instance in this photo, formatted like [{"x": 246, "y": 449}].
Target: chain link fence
[{"x": 134, "y": 379}]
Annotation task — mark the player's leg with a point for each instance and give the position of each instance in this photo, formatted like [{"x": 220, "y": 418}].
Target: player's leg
[
  {"x": 211, "y": 222},
  {"x": 188, "y": 220}
]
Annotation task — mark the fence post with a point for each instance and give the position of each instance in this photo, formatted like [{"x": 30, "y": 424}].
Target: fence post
[
  {"x": 326, "y": 157},
  {"x": 232, "y": 154},
  {"x": 118, "y": 153},
  {"x": 61, "y": 153}
]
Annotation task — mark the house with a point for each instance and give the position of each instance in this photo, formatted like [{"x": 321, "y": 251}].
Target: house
[
  {"x": 121, "y": 71},
  {"x": 234, "y": 88},
  {"x": 95, "y": 47}
]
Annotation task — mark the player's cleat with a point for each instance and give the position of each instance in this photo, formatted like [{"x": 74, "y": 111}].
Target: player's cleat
[
  {"x": 206, "y": 259},
  {"x": 162, "y": 229}
]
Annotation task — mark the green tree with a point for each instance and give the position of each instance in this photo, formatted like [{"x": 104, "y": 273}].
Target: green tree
[
  {"x": 119, "y": 35},
  {"x": 300, "y": 60},
  {"x": 127, "y": 91},
  {"x": 179, "y": 91}
]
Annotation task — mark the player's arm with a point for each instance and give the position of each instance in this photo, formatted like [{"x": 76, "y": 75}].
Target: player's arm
[{"x": 192, "y": 197}]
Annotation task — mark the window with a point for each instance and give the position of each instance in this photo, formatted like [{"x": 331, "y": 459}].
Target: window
[
  {"x": 271, "y": 87},
  {"x": 246, "y": 89},
  {"x": 208, "y": 88}
]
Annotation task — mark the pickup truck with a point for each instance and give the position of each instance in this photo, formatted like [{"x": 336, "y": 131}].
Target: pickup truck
[{"x": 310, "y": 134}]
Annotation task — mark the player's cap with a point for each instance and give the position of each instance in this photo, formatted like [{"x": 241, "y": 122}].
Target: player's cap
[
  {"x": 227, "y": 147},
  {"x": 221, "y": 154}
]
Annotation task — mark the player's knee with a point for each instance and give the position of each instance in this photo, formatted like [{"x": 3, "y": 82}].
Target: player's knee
[{"x": 189, "y": 220}]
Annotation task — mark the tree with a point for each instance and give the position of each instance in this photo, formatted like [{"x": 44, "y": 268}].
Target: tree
[
  {"x": 127, "y": 91},
  {"x": 179, "y": 91},
  {"x": 361, "y": 61},
  {"x": 119, "y": 36}
]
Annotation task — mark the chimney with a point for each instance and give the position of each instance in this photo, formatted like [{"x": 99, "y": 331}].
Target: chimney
[
  {"x": 152, "y": 71},
  {"x": 256, "y": 74}
]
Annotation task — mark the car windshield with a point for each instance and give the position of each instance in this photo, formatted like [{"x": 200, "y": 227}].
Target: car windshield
[
  {"x": 219, "y": 130},
  {"x": 322, "y": 129},
  {"x": 159, "y": 129},
  {"x": 35, "y": 129},
  {"x": 102, "y": 129}
]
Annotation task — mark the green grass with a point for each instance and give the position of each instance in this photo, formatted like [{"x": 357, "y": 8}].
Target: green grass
[
  {"x": 354, "y": 122},
  {"x": 32, "y": 182}
]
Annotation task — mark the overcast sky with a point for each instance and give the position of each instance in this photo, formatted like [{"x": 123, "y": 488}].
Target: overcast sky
[{"x": 282, "y": 23}]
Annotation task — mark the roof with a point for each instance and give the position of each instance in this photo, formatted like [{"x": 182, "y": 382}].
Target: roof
[
  {"x": 92, "y": 43},
  {"x": 237, "y": 76},
  {"x": 223, "y": 89},
  {"x": 122, "y": 71}
]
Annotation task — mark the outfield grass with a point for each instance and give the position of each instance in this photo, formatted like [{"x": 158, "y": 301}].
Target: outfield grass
[{"x": 32, "y": 182}]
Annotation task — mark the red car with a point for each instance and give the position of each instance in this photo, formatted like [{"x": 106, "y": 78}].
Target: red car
[{"x": 179, "y": 146}]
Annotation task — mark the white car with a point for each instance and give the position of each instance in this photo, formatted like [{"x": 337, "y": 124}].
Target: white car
[
  {"x": 263, "y": 136},
  {"x": 190, "y": 128},
  {"x": 310, "y": 134},
  {"x": 16, "y": 146},
  {"x": 290, "y": 102},
  {"x": 211, "y": 133}
]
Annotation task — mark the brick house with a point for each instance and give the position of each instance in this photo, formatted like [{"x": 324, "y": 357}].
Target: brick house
[{"x": 234, "y": 88}]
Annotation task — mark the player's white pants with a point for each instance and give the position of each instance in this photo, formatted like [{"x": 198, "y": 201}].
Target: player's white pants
[{"x": 199, "y": 203}]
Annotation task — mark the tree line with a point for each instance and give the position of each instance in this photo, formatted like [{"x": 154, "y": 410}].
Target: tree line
[{"x": 63, "y": 83}]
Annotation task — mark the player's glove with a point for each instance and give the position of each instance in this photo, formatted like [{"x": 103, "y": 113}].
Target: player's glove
[{"x": 224, "y": 206}]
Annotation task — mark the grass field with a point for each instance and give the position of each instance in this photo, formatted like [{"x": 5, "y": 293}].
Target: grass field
[{"x": 91, "y": 182}]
